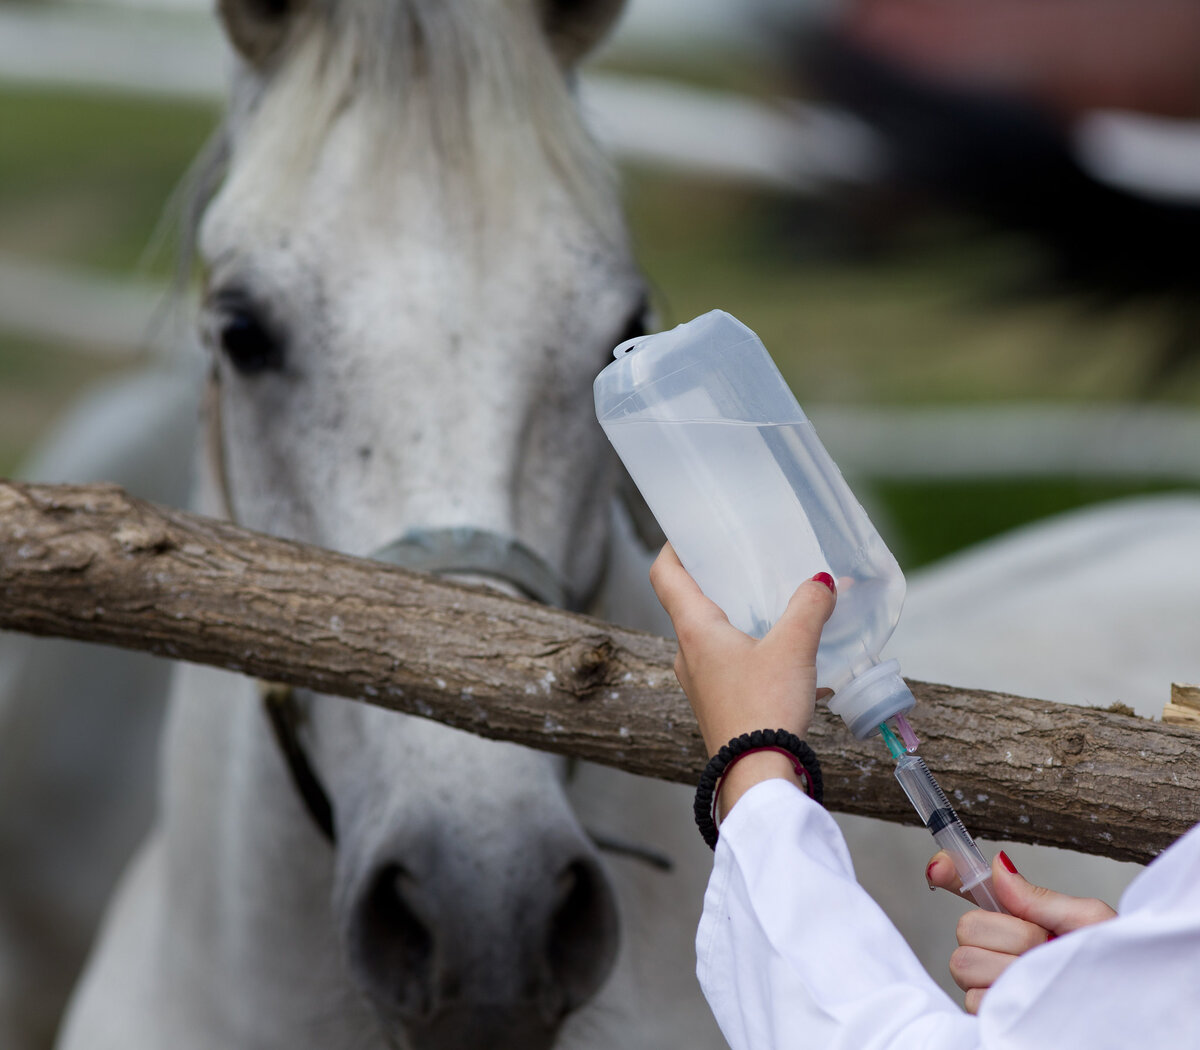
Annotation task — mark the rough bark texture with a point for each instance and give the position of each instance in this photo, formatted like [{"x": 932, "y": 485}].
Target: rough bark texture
[{"x": 91, "y": 563}]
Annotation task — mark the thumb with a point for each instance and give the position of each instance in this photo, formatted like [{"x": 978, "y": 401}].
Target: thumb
[
  {"x": 1055, "y": 912},
  {"x": 807, "y": 612}
]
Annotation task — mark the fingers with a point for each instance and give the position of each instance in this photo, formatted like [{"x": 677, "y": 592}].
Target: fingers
[
  {"x": 940, "y": 873},
  {"x": 977, "y": 969},
  {"x": 807, "y": 611},
  {"x": 671, "y": 582},
  {"x": 798, "y": 630},
  {"x": 1055, "y": 912},
  {"x": 989, "y": 942},
  {"x": 990, "y": 931},
  {"x": 679, "y": 594}
]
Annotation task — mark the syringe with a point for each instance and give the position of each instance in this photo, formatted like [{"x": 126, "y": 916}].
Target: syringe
[{"x": 939, "y": 817}]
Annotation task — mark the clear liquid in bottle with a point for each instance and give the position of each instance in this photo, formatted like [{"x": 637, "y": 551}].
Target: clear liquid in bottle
[{"x": 751, "y": 501}]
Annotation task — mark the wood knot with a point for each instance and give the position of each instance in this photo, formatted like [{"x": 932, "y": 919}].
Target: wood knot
[
  {"x": 587, "y": 665},
  {"x": 1072, "y": 743}
]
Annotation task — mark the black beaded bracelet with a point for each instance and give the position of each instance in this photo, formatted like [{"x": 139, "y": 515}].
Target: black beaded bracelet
[{"x": 803, "y": 758}]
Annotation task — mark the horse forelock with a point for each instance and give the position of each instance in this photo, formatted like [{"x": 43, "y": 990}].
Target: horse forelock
[{"x": 474, "y": 85}]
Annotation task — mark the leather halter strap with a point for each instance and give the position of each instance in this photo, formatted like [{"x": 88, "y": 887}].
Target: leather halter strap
[{"x": 285, "y": 717}]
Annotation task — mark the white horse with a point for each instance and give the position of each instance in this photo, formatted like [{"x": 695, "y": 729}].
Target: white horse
[{"x": 415, "y": 265}]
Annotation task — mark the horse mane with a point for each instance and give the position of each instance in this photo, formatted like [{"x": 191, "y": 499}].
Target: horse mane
[{"x": 473, "y": 84}]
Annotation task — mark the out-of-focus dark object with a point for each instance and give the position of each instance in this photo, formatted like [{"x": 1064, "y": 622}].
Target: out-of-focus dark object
[{"x": 1018, "y": 162}]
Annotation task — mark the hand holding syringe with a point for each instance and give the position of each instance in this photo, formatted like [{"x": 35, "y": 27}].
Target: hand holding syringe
[{"x": 939, "y": 817}]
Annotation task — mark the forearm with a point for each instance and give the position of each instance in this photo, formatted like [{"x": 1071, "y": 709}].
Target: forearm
[
  {"x": 790, "y": 943},
  {"x": 751, "y": 770}
]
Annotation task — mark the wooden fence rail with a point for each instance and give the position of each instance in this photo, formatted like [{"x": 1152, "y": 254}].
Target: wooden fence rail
[{"x": 91, "y": 563}]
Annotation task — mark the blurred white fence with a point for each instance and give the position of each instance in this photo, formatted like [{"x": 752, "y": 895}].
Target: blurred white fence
[
  {"x": 81, "y": 310},
  {"x": 1107, "y": 442}
]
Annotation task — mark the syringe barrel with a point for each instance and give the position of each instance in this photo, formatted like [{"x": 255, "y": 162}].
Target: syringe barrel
[
  {"x": 948, "y": 832},
  {"x": 922, "y": 790}
]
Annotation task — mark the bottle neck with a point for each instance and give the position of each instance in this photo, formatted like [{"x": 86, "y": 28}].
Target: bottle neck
[{"x": 871, "y": 698}]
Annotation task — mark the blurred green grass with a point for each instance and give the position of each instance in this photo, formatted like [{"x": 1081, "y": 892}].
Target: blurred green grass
[
  {"x": 84, "y": 181},
  {"x": 84, "y": 178}
]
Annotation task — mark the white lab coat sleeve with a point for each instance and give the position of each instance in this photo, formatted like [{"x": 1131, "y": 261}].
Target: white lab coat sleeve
[
  {"x": 1129, "y": 982},
  {"x": 793, "y": 953}
]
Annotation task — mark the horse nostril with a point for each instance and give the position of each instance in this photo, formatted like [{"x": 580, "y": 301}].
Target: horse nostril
[
  {"x": 432, "y": 959},
  {"x": 583, "y": 932},
  {"x": 393, "y": 944}
]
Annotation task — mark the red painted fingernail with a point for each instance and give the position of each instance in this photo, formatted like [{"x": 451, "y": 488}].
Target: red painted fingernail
[
  {"x": 1008, "y": 864},
  {"x": 825, "y": 578}
]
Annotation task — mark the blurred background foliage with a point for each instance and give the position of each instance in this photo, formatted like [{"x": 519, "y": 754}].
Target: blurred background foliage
[{"x": 858, "y": 309}]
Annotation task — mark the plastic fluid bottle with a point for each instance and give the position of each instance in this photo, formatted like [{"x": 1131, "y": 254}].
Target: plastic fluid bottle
[{"x": 751, "y": 501}]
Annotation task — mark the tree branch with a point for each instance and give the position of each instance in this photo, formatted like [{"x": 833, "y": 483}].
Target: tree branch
[{"x": 91, "y": 563}]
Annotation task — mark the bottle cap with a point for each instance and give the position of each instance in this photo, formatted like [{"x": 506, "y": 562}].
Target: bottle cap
[{"x": 872, "y": 698}]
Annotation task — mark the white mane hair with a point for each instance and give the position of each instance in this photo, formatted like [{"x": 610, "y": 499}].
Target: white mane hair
[{"x": 472, "y": 86}]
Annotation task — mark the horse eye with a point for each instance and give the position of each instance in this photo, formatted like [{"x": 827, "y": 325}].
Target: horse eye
[
  {"x": 250, "y": 347},
  {"x": 243, "y": 335}
]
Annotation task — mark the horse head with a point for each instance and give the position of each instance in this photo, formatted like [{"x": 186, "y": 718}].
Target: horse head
[{"x": 415, "y": 264}]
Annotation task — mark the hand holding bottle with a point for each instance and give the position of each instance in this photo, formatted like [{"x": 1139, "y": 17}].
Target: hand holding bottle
[{"x": 736, "y": 683}]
